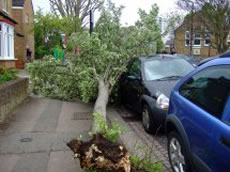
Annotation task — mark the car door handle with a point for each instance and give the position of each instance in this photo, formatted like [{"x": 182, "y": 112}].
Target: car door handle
[{"x": 225, "y": 141}]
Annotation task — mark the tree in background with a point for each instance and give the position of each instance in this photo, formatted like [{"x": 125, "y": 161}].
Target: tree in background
[
  {"x": 48, "y": 29},
  {"x": 75, "y": 8},
  {"x": 215, "y": 15}
]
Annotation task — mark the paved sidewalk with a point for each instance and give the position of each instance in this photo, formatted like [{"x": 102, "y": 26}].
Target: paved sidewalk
[{"x": 35, "y": 140}]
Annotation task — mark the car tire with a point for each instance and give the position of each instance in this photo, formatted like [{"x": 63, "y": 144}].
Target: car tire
[
  {"x": 147, "y": 120},
  {"x": 176, "y": 153}
]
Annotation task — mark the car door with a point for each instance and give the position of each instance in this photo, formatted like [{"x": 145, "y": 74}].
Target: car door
[
  {"x": 220, "y": 143},
  {"x": 206, "y": 94},
  {"x": 131, "y": 85}
]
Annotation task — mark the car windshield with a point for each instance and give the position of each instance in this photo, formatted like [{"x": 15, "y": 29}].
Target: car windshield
[{"x": 163, "y": 69}]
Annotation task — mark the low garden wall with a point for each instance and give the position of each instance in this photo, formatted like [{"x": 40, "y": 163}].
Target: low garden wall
[{"x": 12, "y": 94}]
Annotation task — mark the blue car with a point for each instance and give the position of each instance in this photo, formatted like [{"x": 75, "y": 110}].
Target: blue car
[{"x": 198, "y": 120}]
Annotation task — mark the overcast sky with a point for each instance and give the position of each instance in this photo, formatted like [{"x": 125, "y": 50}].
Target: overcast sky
[{"x": 131, "y": 7}]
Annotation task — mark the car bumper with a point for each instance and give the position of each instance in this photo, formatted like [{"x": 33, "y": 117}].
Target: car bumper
[{"x": 159, "y": 116}]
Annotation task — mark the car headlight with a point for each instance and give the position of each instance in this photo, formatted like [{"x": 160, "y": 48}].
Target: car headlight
[{"x": 162, "y": 102}]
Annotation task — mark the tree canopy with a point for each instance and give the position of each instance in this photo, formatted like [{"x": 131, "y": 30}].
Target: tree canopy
[
  {"x": 48, "y": 29},
  {"x": 75, "y": 8},
  {"x": 102, "y": 57}
]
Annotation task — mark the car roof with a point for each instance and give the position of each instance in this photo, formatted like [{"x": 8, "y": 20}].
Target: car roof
[
  {"x": 224, "y": 55},
  {"x": 217, "y": 61},
  {"x": 159, "y": 57}
]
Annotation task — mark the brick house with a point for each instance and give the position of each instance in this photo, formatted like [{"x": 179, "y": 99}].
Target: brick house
[
  {"x": 16, "y": 34},
  {"x": 201, "y": 40}
]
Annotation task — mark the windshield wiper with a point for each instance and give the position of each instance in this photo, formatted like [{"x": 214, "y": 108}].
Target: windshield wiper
[{"x": 169, "y": 78}]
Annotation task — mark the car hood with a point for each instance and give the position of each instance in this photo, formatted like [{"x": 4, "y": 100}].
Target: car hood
[{"x": 164, "y": 87}]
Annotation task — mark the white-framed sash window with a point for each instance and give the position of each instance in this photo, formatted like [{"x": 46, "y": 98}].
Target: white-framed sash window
[
  {"x": 197, "y": 40},
  {"x": 187, "y": 38},
  {"x": 6, "y": 41},
  {"x": 207, "y": 40}
]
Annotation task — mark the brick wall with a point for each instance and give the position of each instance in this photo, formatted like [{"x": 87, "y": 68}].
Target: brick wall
[
  {"x": 19, "y": 41},
  {"x": 9, "y": 7},
  {"x": 28, "y": 14},
  {"x": 7, "y": 63},
  {"x": 25, "y": 19},
  {"x": 12, "y": 94}
]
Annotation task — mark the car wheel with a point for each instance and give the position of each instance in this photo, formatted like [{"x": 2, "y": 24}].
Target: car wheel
[
  {"x": 147, "y": 120},
  {"x": 176, "y": 152}
]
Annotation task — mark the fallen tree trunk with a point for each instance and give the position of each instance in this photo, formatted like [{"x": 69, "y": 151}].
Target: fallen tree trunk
[
  {"x": 101, "y": 154},
  {"x": 101, "y": 103}
]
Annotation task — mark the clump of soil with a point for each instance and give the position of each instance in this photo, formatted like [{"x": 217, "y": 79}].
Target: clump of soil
[{"x": 101, "y": 154}]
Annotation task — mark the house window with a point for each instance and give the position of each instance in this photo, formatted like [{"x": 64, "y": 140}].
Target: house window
[
  {"x": 5, "y": 5},
  {"x": 187, "y": 38},
  {"x": 197, "y": 39},
  {"x": 6, "y": 41},
  {"x": 207, "y": 39}
]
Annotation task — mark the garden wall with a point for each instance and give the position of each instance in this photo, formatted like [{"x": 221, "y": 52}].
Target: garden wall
[{"x": 12, "y": 94}]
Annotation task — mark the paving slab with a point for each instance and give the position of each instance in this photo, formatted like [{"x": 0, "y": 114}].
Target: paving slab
[
  {"x": 33, "y": 162},
  {"x": 7, "y": 162},
  {"x": 49, "y": 117},
  {"x": 63, "y": 161}
]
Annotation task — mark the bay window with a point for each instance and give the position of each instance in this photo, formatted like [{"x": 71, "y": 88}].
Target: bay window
[{"x": 6, "y": 41}]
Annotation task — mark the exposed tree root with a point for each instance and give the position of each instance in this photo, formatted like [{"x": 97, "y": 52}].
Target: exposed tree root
[{"x": 101, "y": 154}]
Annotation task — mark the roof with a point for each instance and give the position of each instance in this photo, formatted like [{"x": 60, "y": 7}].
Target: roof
[
  {"x": 216, "y": 61},
  {"x": 18, "y": 3},
  {"x": 224, "y": 55}
]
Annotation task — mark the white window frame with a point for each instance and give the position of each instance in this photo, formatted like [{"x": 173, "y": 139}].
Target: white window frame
[
  {"x": 7, "y": 42},
  {"x": 187, "y": 36},
  {"x": 197, "y": 38},
  {"x": 207, "y": 36},
  {"x": 5, "y": 5}
]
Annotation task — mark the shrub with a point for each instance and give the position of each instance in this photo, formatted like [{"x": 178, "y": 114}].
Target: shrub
[
  {"x": 51, "y": 78},
  {"x": 7, "y": 75},
  {"x": 146, "y": 164},
  {"x": 110, "y": 132}
]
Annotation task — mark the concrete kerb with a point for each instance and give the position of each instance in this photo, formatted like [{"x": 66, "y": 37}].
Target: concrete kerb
[{"x": 129, "y": 138}]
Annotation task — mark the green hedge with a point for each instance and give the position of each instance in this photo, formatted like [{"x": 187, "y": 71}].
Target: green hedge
[{"x": 7, "y": 75}]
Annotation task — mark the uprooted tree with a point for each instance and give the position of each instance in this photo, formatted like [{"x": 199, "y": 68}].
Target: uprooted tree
[
  {"x": 215, "y": 16},
  {"x": 104, "y": 55}
]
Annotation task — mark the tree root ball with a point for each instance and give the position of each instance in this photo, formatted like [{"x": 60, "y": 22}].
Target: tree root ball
[{"x": 101, "y": 154}]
